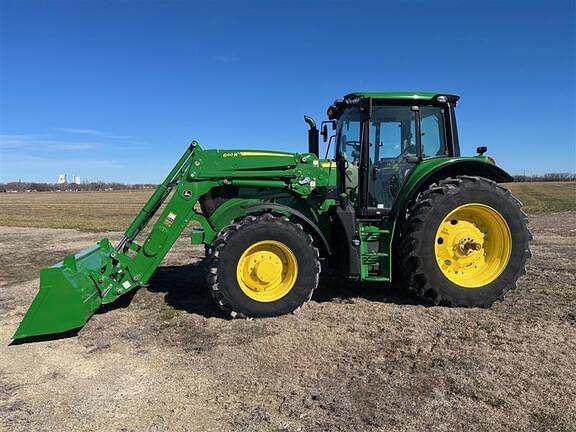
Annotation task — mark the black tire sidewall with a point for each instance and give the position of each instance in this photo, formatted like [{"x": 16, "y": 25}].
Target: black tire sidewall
[
  {"x": 513, "y": 216},
  {"x": 237, "y": 244}
]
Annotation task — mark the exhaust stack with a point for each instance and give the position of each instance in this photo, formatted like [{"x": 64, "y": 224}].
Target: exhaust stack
[{"x": 313, "y": 136}]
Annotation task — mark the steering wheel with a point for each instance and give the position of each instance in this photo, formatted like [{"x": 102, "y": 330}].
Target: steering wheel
[
  {"x": 354, "y": 144},
  {"x": 410, "y": 149}
]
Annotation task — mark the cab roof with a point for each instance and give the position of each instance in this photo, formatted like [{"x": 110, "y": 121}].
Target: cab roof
[
  {"x": 336, "y": 108},
  {"x": 414, "y": 95}
]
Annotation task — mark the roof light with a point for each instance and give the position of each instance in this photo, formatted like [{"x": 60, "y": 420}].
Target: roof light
[{"x": 442, "y": 99}]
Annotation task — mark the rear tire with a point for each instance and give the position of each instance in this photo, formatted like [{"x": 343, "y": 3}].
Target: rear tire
[
  {"x": 262, "y": 266},
  {"x": 465, "y": 242}
]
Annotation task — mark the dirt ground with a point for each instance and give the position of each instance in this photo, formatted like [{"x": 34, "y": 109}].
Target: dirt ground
[{"x": 356, "y": 358}]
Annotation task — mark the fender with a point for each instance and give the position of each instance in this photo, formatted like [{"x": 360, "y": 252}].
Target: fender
[
  {"x": 433, "y": 170},
  {"x": 298, "y": 215}
]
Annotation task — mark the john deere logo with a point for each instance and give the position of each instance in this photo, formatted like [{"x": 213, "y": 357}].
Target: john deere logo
[{"x": 187, "y": 193}]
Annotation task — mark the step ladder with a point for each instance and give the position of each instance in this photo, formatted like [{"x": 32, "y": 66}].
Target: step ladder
[{"x": 375, "y": 253}]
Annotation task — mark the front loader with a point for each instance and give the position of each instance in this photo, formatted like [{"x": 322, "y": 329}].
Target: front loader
[{"x": 394, "y": 194}]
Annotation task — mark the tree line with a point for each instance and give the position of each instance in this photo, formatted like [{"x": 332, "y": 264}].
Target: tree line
[
  {"x": 550, "y": 177},
  {"x": 103, "y": 186},
  {"x": 70, "y": 187}
]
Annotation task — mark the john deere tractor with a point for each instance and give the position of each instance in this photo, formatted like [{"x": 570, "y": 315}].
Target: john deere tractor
[{"x": 392, "y": 192}]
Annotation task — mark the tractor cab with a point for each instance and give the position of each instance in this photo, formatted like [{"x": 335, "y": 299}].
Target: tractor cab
[{"x": 380, "y": 137}]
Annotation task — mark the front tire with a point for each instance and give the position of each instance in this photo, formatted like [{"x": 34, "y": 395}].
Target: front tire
[
  {"x": 465, "y": 242},
  {"x": 262, "y": 266}
]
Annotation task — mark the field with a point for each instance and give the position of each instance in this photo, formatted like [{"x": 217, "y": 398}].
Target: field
[
  {"x": 355, "y": 358},
  {"x": 113, "y": 211}
]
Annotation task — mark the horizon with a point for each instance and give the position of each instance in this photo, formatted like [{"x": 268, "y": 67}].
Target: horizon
[{"x": 117, "y": 91}]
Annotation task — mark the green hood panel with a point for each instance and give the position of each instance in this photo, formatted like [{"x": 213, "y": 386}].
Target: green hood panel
[{"x": 232, "y": 160}]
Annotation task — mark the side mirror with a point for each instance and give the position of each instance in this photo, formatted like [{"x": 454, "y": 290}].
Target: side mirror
[
  {"x": 481, "y": 150},
  {"x": 324, "y": 132}
]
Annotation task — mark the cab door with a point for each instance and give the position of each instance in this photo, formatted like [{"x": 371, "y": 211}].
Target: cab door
[
  {"x": 398, "y": 137},
  {"x": 391, "y": 152}
]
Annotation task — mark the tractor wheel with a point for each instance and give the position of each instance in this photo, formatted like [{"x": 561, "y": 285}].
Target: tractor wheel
[
  {"x": 262, "y": 267},
  {"x": 464, "y": 242}
]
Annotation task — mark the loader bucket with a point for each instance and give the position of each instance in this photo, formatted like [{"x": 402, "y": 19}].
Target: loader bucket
[{"x": 68, "y": 295}]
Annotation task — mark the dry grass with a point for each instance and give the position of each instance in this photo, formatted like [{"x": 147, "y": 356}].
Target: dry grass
[
  {"x": 86, "y": 211},
  {"x": 546, "y": 197}
]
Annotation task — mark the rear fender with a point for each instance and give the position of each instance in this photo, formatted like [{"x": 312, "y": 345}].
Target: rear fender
[{"x": 433, "y": 170}]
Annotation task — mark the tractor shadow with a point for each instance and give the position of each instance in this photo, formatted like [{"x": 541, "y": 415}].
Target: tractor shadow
[
  {"x": 186, "y": 290},
  {"x": 334, "y": 287}
]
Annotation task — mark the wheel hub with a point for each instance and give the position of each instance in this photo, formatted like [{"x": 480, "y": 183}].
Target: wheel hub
[
  {"x": 468, "y": 245},
  {"x": 268, "y": 267},
  {"x": 473, "y": 245}
]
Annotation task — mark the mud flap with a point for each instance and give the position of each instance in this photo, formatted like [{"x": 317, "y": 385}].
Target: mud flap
[{"x": 68, "y": 295}]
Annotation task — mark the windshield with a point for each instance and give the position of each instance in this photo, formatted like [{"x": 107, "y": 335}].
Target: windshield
[
  {"x": 348, "y": 136},
  {"x": 348, "y": 149}
]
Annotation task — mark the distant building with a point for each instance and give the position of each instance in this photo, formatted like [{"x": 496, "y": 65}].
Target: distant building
[
  {"x": 76, "y": 179},
  {"x": 62, "y": 179}
]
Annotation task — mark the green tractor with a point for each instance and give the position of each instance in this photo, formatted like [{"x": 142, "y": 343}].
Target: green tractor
[{"x": 392, "y": 193}]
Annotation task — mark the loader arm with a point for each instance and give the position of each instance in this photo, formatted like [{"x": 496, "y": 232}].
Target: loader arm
[{"x": 73, "y": 289}]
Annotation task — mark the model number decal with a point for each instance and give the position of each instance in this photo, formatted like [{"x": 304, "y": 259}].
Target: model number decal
[{"x": 255, "y": 153}]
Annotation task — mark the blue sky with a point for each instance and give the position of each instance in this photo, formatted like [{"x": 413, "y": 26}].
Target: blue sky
[{"x": 115, "y": 90}]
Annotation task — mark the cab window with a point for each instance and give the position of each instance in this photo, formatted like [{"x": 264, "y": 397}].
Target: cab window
[
  {"x": 349, "y": 130},
  {"x": 349, "y": 136},
  {"x": 392, "y": 137},
  {"x": 433, "y": 136}
]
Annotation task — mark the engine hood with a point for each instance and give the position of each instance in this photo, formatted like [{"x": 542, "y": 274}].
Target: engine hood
[{"x": 222, "y": 163}]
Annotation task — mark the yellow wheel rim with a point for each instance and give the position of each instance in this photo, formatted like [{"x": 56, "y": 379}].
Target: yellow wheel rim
[
  {"x": 267, "y": 271},
  {"x": 473, "y": 245}
]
